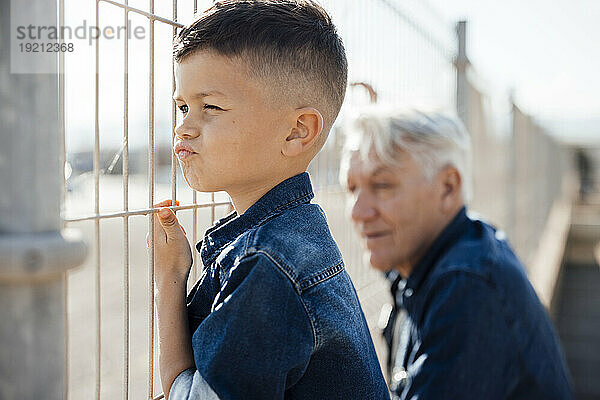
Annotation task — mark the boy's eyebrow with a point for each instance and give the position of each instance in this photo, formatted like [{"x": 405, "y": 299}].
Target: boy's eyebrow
[{"x": 200, "y": 95}]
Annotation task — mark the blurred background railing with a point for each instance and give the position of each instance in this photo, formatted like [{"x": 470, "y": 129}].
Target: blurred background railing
[{"x": 118, "y": 120}]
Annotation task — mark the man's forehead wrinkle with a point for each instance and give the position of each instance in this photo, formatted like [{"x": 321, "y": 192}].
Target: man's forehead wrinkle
[
  {"x": 379, "y": 169},
  {"x": 372, "y": 167},
  {"x": 365, "y": 169}
]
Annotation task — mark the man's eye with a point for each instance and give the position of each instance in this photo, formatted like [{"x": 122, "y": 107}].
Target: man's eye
[
  {"x": 381, "y": 185},
  {"x": 212, "y": 107},
  {"x": 183, "y": 108},
  {"x": 351, "y": 189}
]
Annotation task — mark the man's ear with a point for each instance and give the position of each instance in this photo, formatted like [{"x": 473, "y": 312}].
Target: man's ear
[
  {"x": 309, "y": 125},
  {"x": 451, "y": 189}
]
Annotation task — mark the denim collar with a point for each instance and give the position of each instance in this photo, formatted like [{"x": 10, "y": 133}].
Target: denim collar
[
  {"x": 450, "y": 234},
  {"x": 287, "y": 194}
]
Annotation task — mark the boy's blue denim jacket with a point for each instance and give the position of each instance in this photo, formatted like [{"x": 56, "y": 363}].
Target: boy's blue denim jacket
[
  {"x": 473, "y": 327},
  {"x": 275, "y": 314}
]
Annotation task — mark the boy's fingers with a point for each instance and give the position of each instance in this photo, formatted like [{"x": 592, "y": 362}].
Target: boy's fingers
[
  {"x": 159, "y": 232},
  {"x": 165, "y": 221},
  {"x": 169, "y": 222},
  {"x": 165, "y": 203}
]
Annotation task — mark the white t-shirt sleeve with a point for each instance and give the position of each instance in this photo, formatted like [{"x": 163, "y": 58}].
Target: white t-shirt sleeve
[{"x": 190, "y": 385}]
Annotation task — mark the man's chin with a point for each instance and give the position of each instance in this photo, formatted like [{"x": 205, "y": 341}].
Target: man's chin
[{"x": 376, "y": 263}]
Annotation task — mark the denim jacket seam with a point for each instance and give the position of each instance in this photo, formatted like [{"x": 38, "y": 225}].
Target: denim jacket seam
[
  {"x": 274, "y": 212},
  {"x": 249, "y": 236},
  {"x": 322, "y": 276},
  {"x": 313, "y": 324},
  {"x": 280, "y": 264},
  {"x": 271, "y": 214},
  {"x": 285, "y": 271},
  {"x": 296, "y": 200},
  {"x": 465, "y": 268}
]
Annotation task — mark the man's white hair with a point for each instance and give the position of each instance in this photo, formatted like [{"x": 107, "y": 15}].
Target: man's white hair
[{"x": 435, "y": 140}]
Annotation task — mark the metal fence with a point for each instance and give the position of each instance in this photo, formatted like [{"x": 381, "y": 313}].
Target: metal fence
[
  {"x": 396, "y": 48},
  {"x": 75, "y": 386},
  {"x": 520, "y": 171}
]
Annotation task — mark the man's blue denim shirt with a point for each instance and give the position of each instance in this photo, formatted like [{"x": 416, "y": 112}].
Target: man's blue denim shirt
[
  {"x": 473, "y": 327},
  {"x": 275, "y": 314}
]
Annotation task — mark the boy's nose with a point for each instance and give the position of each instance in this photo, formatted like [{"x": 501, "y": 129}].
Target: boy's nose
[{"x": 186, "y": 131}]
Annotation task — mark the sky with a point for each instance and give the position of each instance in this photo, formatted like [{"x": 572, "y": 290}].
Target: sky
[{"x": 546, "y": 51}]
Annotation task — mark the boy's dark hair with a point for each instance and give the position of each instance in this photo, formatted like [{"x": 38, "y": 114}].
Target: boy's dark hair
[{"x": 290, "y": 42}]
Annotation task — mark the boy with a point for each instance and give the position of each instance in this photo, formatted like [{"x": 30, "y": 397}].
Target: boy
[{"x": 275, "y": 315}]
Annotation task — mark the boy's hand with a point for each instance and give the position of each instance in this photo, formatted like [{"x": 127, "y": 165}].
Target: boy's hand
[{"x": 172, "y": 253}]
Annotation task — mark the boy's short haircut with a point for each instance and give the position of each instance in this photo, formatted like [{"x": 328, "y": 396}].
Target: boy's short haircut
[{"x": 291, "y": 44}]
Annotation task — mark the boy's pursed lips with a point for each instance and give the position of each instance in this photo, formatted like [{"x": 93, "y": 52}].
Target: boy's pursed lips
[{"x": 183, "y": 149}]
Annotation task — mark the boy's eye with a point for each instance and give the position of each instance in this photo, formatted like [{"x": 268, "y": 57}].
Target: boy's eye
[
  {"x": 183, "y": 108},
  {"x": 212, "y": 107}
]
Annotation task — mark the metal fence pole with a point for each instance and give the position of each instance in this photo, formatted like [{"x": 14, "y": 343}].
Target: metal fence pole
[
  {"x": 34, "y": 252},
  {"x": 512, "y": 173},
  {"x": 462, "y": 63}
]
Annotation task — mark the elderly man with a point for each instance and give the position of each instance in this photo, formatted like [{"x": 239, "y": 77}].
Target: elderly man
[{"x": 466, "y": 323}]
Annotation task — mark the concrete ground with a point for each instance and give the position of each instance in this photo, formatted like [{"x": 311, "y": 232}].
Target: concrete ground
[{"x": 578, "y": 301}]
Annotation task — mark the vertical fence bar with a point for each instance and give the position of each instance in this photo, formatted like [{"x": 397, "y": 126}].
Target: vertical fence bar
[
  {"x": 195, "y": 236},
  {"x": 150, "y": 204},
  {"x": 63, "y": 160},
  {"x": 61, "y": 108},
  {"x": 195, "y": 200},
  {"x": 462, "y": 62},
  {"x": 66, "y": 306},
  {"x": 212, "y": 208},
  {"x": 126, "y": 207},
  {"x": 97, "y": 208},
  {"x": 173, "y": 117}
]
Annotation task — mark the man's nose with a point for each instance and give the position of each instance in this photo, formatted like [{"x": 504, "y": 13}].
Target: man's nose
[
  {"x": 187, "y": 130},
  {"x": 363, "y": 208}
]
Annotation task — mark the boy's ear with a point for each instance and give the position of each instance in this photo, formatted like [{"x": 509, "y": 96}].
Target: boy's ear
[{"x": 309, "y": 124}]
